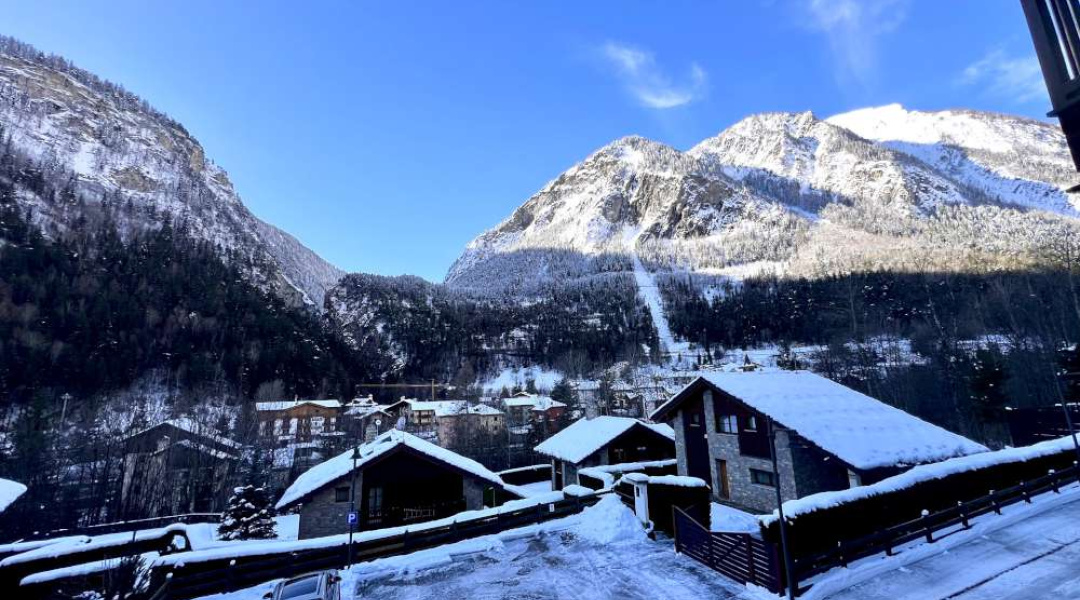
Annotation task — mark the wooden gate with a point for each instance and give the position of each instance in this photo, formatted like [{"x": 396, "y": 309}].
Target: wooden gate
[{"x": 738, "y": 556}]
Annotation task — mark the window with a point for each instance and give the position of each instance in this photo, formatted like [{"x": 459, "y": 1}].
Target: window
[
  {"x": 375, "y": 502},
  {"x": 762, "y": 477},
  {"x": 341, "y": 494},
  {"x": 751, "y": 423},
  {"x": 727, "y": 424},
  {"x": 317, "y": 424}
]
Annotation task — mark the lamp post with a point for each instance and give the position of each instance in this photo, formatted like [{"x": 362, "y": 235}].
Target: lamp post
[
  {"x": 788, "y": 570},
  {"x": 353, "y": 517}
]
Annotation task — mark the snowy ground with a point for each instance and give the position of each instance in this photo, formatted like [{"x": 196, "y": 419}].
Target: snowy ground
[
  {"x": 602, "y": 553},
  {"x": 1034, "y": 559}
]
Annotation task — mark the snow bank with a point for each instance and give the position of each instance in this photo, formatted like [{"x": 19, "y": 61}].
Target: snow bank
[
  {"x": 342, "y": 464},
  {"x": 585, "y": 436},
  {"x": 10, "y": 492},
  {"x": 808, "y": 504},
  {"x": 608, "y": 522},
  {"x": 733, "y": 520},
  {"x": 544, "y": 379}
]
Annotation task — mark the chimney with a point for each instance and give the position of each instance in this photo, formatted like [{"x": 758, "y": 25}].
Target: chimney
[{"x": 591, "y": 409}]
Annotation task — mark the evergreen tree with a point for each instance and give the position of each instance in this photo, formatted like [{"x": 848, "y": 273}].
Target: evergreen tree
[{"x": 249, "y": 515}]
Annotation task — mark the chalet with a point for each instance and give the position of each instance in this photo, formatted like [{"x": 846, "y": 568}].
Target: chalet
[
  {"x": 604, "y": 441},
  {"x": 399, "y": 479},
  {"x": 177, "y": 466},
  {"x": 827, "y": 436},
  {"x": 298, "y": 420}
]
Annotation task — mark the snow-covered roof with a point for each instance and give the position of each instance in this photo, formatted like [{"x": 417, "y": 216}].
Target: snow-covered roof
[
  {"x": 859, "y": 430},
  {"x": 341, "y": 465},
  {"x": 287, "y": 404},
  {"x": 361, "y": 412},
  {"x": 585, "y": 436},
  {"x": 534, "y": 401},
  {"x": 202, "y": 448},
  {"x": 451, "y": 408},
  {"x": 196, "y": 428},
  {"x": 10, "y": 492}
]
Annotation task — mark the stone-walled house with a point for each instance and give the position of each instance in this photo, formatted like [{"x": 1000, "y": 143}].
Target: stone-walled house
[
  {"x": 399, "y": 479},
  {"x": 604, "y": 441},
  {"x": 827, "y": 436}
]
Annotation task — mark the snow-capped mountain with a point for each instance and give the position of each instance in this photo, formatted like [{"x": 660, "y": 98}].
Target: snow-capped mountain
[
  {"x": 875, "y": 188},
  {"x": 115, "y": 150}
]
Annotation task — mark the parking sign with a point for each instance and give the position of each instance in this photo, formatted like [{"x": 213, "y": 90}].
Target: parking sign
[{"x": 354, "y": 518}]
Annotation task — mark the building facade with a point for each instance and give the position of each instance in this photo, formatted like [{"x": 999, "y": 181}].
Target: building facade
[
  {"x": 604, "y": 441},
  {"x": 298, "y": 421},
  {"x": 399, "y": 479},
  {"x": 826, "y": 437}
]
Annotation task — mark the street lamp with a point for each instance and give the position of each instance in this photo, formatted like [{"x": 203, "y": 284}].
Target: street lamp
[
  {"x": 780, "y": 508},
  {"x": 353, "y": 517}
]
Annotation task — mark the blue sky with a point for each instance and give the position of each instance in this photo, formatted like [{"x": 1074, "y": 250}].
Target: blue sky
[{"x": 386, "y": 135}]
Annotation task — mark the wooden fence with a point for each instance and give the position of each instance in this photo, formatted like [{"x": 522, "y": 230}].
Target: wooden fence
[
  {"x": 190, "y": 580},
  {"x": 135, "y": 524},
  {"x": 931, "y": 526},
  {"x": 167, "y": 542},
  {"x": 738, "y": 556}
]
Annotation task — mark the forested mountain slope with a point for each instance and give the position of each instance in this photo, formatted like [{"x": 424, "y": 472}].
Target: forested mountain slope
[{"x": 107, "y": 149}]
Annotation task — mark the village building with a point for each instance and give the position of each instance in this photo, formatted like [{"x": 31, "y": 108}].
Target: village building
[
  {"x": 364, "y": 419},
  {"x": 298, "y": 421},
  {"x": 604, "y": 440},
  {"x": 527, "y": 412},
  {"x": 827, "y": 436},
  {"x": 175, "y": 467},
  {"x": 399, "y": 479},
  {"x": 449, "y": 423}
]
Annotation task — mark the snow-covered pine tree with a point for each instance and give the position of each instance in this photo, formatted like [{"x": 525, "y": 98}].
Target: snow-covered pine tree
[{"x": 249, "y": 515}]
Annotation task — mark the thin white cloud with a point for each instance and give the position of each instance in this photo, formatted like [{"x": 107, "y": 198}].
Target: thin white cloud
[
  {"x": 648, "y": 83},
  {"x": 1018, "y": 79},
  {"x": 853, "y": 29}
]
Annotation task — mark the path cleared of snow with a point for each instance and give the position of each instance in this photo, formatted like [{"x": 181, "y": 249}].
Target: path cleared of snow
[{"x": 1035, "y": 558}]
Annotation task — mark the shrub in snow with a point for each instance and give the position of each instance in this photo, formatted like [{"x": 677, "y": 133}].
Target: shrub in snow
[{"x": 249, "y": 516}]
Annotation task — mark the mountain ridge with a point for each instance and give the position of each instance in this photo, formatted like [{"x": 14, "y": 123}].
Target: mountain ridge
[
  {"x": 800, "y": 176},
  {"x": 122, "y": 154}
]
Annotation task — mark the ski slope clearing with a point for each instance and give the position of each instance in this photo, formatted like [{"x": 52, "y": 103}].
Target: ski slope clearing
[{"x": 1032, "y": 559}]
